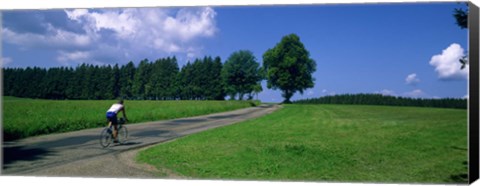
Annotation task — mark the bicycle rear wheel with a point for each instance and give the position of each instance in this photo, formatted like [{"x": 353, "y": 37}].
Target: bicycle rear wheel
[
  {"x": 122, "y": 134},
  {"x": 106, "y": 137}
]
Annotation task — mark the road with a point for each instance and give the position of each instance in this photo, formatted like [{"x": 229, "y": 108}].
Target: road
[{"x": 79, "y": 154}]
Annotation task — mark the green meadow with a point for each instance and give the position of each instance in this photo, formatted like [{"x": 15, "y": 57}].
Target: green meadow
[
  {"x": 344, "y": 143},
  {"x": 30, "y": 117}
]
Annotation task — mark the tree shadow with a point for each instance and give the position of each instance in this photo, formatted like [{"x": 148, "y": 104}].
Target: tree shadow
[
  {"x": 70, "y": 141},
  {"x": 224, "y": 116},
  {"x": 459, "y": 148},
  {"x": 265, "y": 106},
  {"x": 459, "y": 178},
  {"x": 150, "y": 133},
  {"x": 128, "y": 143},
  {"x": 186, "y": 121},
  {"x": 19, "y": 153},
  {"x": 462, "y": 177}
]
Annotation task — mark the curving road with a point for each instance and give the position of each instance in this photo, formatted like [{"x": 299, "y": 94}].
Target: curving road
[{"x": 79, "y": 154}]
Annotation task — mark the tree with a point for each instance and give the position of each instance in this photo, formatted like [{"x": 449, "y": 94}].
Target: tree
[
  {"x": 218, "y": 86},
  {"x": 257, "y": 89},
  {"x": 289, "y": 67},
  {"x": 141, "y": 89},
  {"x": 127, "y": 75},
  {"x": 184, "y": 82},
  {"x": 201, "y": 80},
  {"x": 461, "y": 17},
  {"x": 115, "y": 79},
  {"x": 213, "y": 79},
  {"x": 163, "y": 78},
  {"x": 241, "y": 74}
]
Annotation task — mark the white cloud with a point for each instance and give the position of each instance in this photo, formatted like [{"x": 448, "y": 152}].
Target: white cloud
[
  {"x": 328, "y": 93},
  {"x": 386, "y": 92},
  {"x": 310, "y": 93},
  {"x": 78, "y": 56},
  {"x": 412, "y": 79},
  {"x": 56, "y": 38},
  {"x": 121, "y": 35},
  {"x": 187, "y": 25},
  {"x": 447, "y": 64},
  {"x": 417, "y": 93},
  {"x": 76, "y": 14},
  {"x": 150, "y": 28},
  {"x": 5, "y": 61},
  {"x": 466, "y": 97}
]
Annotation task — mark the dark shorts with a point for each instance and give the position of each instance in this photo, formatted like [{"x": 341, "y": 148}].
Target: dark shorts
[{"x": 112, "y": 117}]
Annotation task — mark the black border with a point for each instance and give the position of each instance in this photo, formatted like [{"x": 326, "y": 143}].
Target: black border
[{"x": 473, "y": 156}]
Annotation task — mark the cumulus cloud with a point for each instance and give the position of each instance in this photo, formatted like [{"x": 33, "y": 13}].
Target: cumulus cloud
[
  {"x": 417, "y": 93},
  {"x": 65, "y": 57},
  {"x": 328, "y": 92},
  {"x": 56, "y": 38},
  {"x": 5, "y": 61},
  {"x": 119, "y": 35},
  {"x": 310, "y": 93},
  {"x": 447, "y": 63},
  {"x": 150, "y": 28},
  {"x": 412, "y": 79},
  {"x": 76, "y": 14},
  {"x": 386, "y": 92}
]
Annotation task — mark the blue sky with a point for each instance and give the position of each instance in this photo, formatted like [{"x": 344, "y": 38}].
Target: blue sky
[{"x": 407, "y": 49}]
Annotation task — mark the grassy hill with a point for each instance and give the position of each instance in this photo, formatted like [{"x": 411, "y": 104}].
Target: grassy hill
[{"x": 326, "y": 143}]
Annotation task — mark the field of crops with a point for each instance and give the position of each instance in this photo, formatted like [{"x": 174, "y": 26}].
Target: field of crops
[
  {"x": 343, "y": 143},
  {"x": 29, "y": 117}
]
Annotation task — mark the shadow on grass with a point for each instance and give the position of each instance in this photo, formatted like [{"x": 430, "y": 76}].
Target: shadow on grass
[
  {"x": 462, "y": 177},
  {"x": 19, "y": 153},
  {"x": 459, "y": 148},
  {"x": 459, "y": 178}
]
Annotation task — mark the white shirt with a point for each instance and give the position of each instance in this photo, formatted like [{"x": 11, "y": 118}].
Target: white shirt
[{"x": 115, "y": 108}]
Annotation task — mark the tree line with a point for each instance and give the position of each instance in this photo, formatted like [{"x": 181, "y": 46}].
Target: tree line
[
  {"x": 161, "y": 79},
  {"x": 287, "y": 67},
  {"x": 379, "y": 99}
]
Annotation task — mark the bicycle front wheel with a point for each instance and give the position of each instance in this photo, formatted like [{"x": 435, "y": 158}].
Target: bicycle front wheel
[
  {"x": 106, "y": 137},
  {"x": 122, "y": 134}
]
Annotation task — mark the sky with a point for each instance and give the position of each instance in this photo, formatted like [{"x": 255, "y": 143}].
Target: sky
[{"x": 407, "y": 49}]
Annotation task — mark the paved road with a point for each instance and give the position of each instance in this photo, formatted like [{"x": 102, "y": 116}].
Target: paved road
[{"x": 79, "y": 153}]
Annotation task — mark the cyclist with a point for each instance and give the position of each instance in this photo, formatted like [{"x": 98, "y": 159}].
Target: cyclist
[{"x": 112, "y": 117}]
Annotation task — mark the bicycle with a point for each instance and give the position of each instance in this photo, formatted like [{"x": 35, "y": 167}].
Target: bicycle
[{"x": 106, "y": 136}]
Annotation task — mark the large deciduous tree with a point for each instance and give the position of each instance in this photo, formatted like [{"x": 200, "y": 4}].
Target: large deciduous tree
[
  {"x": 241, "y": 74},
  {"x": 461, "y": 18},
  {"x": 288, "y": 67}
]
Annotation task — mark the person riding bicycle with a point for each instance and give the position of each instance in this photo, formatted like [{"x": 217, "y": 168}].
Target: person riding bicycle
[{"x": 112, "y": 117}]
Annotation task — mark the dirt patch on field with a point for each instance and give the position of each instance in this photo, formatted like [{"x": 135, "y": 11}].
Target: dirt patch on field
[{"x": 128, "y": 158}]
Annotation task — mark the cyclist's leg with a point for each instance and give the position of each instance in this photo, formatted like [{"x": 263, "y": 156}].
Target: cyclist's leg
[
  {"x": 115, "y": 127},
  {"x": 115, "y": 132}
]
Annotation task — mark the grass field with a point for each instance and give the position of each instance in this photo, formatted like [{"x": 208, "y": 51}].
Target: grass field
[
  {"x": 29, "y": 117},
  {"x": 326, "y": 143}
]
